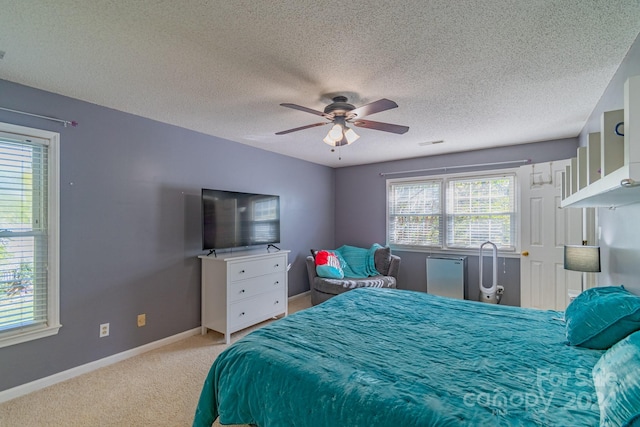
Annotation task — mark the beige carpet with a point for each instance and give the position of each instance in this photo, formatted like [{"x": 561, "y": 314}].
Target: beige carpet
[{"x": 158, "y": 388}]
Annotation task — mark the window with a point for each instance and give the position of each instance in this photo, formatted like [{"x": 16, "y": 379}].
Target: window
[
  {"x": 415, "y": 213},
  {"x": 481, "y": 209},
  {"x": 28, "y": 234},
  {"x": 452, "y": 212}
]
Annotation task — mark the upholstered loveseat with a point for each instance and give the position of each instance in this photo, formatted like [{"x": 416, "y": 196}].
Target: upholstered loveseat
[{"x": 387, "y": 266}]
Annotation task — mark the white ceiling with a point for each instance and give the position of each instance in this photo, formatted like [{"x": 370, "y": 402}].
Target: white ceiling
[{"x": 475, "y": 74}]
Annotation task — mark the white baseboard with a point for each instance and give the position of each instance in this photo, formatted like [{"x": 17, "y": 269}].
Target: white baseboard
[
  {"x": 41, "y": 383},
  {"x": 303, "y": 294}
]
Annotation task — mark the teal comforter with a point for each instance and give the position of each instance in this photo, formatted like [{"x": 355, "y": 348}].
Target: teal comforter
[{"x": 381, "y": 357}]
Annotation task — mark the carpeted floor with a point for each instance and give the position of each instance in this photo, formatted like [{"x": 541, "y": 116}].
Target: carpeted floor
[{"x": 158, "y": 388}]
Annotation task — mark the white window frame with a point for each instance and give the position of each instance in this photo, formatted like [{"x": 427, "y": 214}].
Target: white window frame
[
  {"x": 51, "y": 327},
  {"x": 444, "y": 179},
  {"x": 439, "y": 215}
]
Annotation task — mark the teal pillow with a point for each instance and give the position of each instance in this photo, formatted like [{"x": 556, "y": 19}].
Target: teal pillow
[
  {"x": 600, "y": 317},
  {"x": 616, "y": 377}
]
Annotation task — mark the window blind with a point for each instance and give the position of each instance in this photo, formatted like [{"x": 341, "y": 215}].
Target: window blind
[
  {"x": 415, "y": 213},
  {"x": 453, "y": 211},
  {"x": 23, "y": 233},
  {"x": 481, "y": 209}
]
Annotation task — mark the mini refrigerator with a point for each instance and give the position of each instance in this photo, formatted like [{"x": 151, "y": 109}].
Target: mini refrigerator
[{"x": 447, "y": 276}]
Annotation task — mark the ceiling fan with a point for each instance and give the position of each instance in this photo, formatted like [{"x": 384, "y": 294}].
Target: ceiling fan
[{"x": 340, "y": 112}]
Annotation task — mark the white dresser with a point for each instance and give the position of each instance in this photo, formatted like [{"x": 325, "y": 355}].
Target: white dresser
[{"x": 241, "y": 289}]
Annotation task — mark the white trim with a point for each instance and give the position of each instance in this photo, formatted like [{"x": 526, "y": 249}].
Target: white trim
[
  {"x": 27, "y": 131},
  {"x": 298, "y": 296},
  {"x": 53, "y": 229},
  {"x": 52, "y": 141},
  {"x": 452, "y": 252},
  {"x": 41, "y": 383},
  {"x": 444, "y": 180},
  {"x": 21, "y": 335}
]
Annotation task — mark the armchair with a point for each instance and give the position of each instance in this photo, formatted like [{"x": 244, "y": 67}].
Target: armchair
[{"x": 323, "y": 288}]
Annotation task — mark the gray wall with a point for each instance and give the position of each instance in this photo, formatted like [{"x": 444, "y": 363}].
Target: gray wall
[
  {"x": 620, "y": 247},
  {"x": 130, "y": 225},
  {"x": 361, "y": 208}
]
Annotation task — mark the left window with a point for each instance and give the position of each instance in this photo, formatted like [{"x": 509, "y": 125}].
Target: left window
[{"x": 29, "y": 285}]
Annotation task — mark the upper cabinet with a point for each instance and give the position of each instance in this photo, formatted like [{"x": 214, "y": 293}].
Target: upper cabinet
[{"x": 606, "y": 173}]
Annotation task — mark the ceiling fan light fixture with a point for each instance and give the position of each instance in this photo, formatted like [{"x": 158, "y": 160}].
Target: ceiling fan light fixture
[
  {"x": 327, "y": 140},
  {"x": 339, "y": 113},
  {"x": 351, "y": 135},
  {"x": 335, "y": 133}
]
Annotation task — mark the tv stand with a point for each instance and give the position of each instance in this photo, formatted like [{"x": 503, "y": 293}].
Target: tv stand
[{"x": 242, "y": 289}]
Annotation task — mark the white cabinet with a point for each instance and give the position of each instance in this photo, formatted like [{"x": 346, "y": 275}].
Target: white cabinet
[
  {"x": 242, "y": 289},
  {"x": 606, "y": 173}
]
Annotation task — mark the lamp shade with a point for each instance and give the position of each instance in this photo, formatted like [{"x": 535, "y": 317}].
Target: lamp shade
[
  {"x": 582, "y": 258},
  {"x": 350, "y": 135},
  {"x": 335, "y": 133}
]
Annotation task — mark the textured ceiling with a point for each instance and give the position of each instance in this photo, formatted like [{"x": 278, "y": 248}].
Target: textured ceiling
[{"x": 472, "y": 73}]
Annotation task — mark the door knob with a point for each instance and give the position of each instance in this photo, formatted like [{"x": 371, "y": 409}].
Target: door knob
[{"x": 525, "y": 253}]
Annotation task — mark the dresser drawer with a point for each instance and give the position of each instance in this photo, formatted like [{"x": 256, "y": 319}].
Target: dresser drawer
[
  {"x": 256, "y": 285},
  {"x": 246, "y": 269},
  {"x": 253, "y": 310}
]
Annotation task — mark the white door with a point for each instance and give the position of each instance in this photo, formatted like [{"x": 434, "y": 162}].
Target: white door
[{"x": 545, "y": 229}]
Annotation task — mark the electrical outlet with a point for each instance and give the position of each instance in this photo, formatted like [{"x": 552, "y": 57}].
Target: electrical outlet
[
  {"x": 104, "y": 330},
  {"x": 142, "y": 320}
]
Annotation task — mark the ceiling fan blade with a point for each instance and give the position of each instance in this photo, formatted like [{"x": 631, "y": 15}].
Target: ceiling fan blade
[
  {"x": 374, "y": 107},
  {"x": 305, "y": 109},
  {"x": 301, "y": 128},
  {"x": 386, "y": 127}
]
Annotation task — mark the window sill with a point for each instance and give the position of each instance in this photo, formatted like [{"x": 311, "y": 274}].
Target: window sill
[
  {"x": 12, "y": 338},
  {"x": 466, "y": 252}
]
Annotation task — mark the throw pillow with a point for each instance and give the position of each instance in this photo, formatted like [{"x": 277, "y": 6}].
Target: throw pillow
[
  {"x": 600, "y": 317},
  {"x": 617, "y": 383},
  {"x": 328, "y": 265},
  {"x": 382, "y": 260}
]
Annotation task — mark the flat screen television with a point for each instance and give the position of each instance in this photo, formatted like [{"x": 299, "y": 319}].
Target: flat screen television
[{"x": 232, "y": 219}]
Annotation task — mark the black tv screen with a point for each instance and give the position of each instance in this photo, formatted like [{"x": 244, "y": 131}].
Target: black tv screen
[{"x": 232, "y": 219}]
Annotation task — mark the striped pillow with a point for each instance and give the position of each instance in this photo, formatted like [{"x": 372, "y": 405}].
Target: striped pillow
[{"x": 328, "y": 265}]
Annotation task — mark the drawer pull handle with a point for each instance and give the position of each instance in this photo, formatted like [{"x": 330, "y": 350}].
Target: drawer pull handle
[
  {"x": 276, "y": 283},
  {"x": 277, "y": 302},
  {"x": 277, "y": 265},
  {"x": 242, "y": 291},
  {"x": 242, "y": 314},
  {"x": 241, "y": 271}
]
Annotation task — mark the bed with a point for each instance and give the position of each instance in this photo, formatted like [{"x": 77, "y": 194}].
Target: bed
[{"x": 384, "y": 357}]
